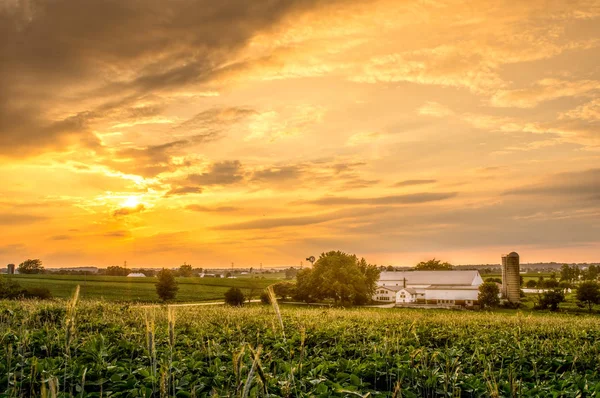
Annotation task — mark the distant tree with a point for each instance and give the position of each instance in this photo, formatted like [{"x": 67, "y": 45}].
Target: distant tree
[
  {"x": 338, "y": 276},
  {"x": 531, "y": 284},
  {"x": 591, "y": 273},
  {"x": 117, "y": 271},
  {"x": 541, "y": 282},
  {"x": 390, "y": 268},
  {"x": 31, "y": 267},
  {"x": 488, "y": 295},
  {"x": 495, "y": 280},
  {"x": 551, "y": 283},
  {"x": 234, "y": 297},
  {"x": 228, "y": 275},
  {"x": 253, "y": 286},
  {"x": 185, "y": 270},
  {"x": 433, "y": 265},
  {"x": 283, "y": 290},
  {"x": 166, "y": 287},
  {"x": 588, "y": 293},
  {"x": 290, "y": 273},
  {"x": 149, "y": 272},
  {"x": 550, "y": 299}
]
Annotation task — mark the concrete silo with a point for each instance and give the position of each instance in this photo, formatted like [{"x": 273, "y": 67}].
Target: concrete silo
[
  {"x": 511, "y": 279},
  {"x": 10, "y": 269}
]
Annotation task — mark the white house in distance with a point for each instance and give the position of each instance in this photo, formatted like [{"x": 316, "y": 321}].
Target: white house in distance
[
  {"x": 428, "y": 287},
  {"x": 136, "y": 275}
]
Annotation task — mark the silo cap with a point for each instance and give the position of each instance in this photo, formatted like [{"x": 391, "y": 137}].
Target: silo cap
[{"x": 513, "y": 254}]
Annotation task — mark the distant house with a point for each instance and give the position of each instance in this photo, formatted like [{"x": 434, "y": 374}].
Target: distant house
[
  {"x": 429, "y": 287},
  {"x": 205, "y": 275},
  {"x": 136, "y": 275}
]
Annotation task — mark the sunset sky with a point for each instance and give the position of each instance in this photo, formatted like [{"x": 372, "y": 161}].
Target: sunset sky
[{"x": 213, "y": 132}]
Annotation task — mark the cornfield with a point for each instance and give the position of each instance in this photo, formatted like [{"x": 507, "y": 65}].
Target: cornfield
[{"x": 110, "y": 350}]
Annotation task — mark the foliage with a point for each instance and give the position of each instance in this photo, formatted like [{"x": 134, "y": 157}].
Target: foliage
[
  {"x": 290, "y": 273},
  {"x": 550, "y": 300},
  {"x": 433, "y": 265},
  {"x": 31, "y": 267},
  {"x": 568, "y": 273},
  {"x": 11, "y": 289},
  {"x": 588, "y": 293},
  {"x": 234, "y": 297},
  {"x": 117, "y": 271},
  {"x": 591, "y": 273},
  {"x": 283, "y": 290},
  {"x": 264, "y": 298},
  {"x": 126, "y": 351},
  {"x": 185, "y": 270},
  {"x": 531, "y": 284},
  {"x": 488, "y": 295},
  {"x": 338, "y": 276},
  {"x": 166, "y": 287},
  {"x": 495, "y": 280}
]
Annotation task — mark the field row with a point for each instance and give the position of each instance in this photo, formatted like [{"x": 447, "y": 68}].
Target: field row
[{"x": 126, "y": 351}]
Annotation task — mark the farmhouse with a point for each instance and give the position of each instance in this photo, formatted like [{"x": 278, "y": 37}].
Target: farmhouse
[{"x": 428, "y": 287}]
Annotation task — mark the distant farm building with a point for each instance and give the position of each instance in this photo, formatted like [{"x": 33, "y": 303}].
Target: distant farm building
[
  {"x": 136, "y": 275},
  {"x": 444, "y": 288}
]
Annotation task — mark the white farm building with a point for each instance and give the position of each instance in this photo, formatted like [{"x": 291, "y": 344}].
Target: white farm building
[{"x": 429, "y": 287}]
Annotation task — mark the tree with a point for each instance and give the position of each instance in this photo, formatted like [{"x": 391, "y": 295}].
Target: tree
[
  {"x": 284, "y": 289},
  {"x": 433, "y": 265},
  {"x": 185, "y": 270},
  {"x": 290, "y": 273},
  {"x": 253, "y": 286},
  {"x": 338, "y": 276},
  {"x": 531, "y": 284},
  {"x": 550, "y": 299},
  {"x": 31, "y": 267},
  {"x": 117, "y": 271},
  {"x": 166, "y": 287},
  {"x": 488, "y": 295},
  {"x": 588, "y": 293},
  {"x": 234, "y": 297}
]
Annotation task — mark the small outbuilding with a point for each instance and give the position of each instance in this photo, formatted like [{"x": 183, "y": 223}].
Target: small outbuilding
[{"x": 136, "y": 275}]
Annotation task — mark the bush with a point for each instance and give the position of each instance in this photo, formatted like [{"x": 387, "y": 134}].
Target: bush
[
  {"x": 488, "y": 295},
  {"x": 531, "y": 284},
  {"x": 41, "y": 293},
  {"x": 234, "y": 297},
  {"x": 264, "y": 298},
  {"x": 550, "y": 299}
]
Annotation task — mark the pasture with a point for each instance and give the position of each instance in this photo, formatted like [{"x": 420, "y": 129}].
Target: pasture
[
  {"x": 120, "y": 288},
  {"x": 97, "y": 348}
]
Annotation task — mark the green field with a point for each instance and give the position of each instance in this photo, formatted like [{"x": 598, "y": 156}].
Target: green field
[
  {"x": 120, "y": 288},
  {"x": 126, "y": 351}
]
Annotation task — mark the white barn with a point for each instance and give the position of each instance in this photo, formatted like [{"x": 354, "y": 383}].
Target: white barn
[{"x": 429, "y": 287}]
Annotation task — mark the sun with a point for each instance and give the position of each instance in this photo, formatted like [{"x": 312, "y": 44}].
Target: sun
[{"x": 131, "y": 201}]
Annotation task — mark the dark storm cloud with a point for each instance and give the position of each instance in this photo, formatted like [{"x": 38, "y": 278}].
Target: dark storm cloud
[
  {"x": 408, "y": 183},
  {"x": 119, "y": 51},
  {"x": 219, "y": 173},
  {"x": 416, "y": 198}
]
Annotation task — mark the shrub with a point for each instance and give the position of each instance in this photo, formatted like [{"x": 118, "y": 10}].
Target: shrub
[
  {"x": 550, "y": 299},
  {"x": 264, "y": 298},
  {"x": 166, "y": 287},
  {"x": 234, "y": 297},
  {"x": 41, "y": 293}
]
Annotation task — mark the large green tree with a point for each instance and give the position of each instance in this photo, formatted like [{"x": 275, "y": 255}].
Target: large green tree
[
  {"x": 166, "y": 287},
  {"x": 588, "y": 293},
  {"x": 433, "y": 265},
  {"x": 488, "y": 295},
  {"x": 338, "y": 276},
  {"x": 31, "y": 267},
  {"x": 185, "y": 270}
]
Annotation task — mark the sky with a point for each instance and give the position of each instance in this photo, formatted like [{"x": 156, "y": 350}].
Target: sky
[{"x": 252, "y": 132}]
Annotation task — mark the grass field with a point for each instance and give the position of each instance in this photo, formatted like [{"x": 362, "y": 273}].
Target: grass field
[
  {"x": 120, "y": 288},
  {"x": 103, "y": 349}
]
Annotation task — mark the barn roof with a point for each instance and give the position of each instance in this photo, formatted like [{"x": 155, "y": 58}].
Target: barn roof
[{"x": 447, "y": 278}]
